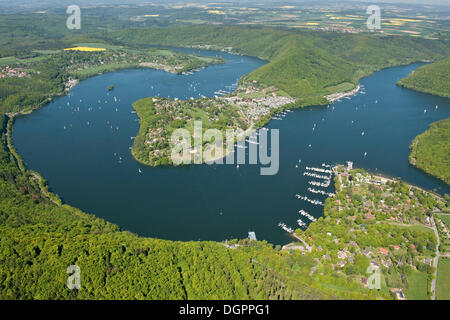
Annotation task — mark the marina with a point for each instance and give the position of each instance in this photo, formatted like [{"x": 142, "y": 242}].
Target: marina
[
  {"x": 307, "y": 215},
  {"x": 301, "y": 223},
  {"x": 328, "y": 194},
  {"x": 312, "y": 201},
  {"x": 285, "y": 228}
]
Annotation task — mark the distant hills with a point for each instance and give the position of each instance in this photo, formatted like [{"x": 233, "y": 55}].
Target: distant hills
[{"x": 303, "y": 64}]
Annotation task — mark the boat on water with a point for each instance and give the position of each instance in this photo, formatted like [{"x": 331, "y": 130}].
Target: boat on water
[
  {"x": 307, "y": 215},
  {"x": 301, "y": 223},
  {"x": 328, "y": 194},
  {"x": 312, "y": 201},
  {"x": 285, "y": 228}
]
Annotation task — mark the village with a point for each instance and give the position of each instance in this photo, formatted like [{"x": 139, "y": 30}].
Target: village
[
  {"x": 245, "y": 109},
  {"x": 380, "y": 223}
]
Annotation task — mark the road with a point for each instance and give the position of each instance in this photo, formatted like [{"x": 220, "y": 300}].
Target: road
[
  {"x": 293, "y": 234},
  {"x": 435, "y": 260}
]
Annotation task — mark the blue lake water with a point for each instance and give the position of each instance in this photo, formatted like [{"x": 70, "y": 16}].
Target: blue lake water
[{"x": 80, "y": 144}]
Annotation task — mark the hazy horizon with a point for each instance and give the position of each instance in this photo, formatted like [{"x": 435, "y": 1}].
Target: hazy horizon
[{"x": 57, "y": 3}]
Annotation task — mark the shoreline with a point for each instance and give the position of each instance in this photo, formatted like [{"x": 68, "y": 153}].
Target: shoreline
[
  {"x": 26, "y": 112},
  {"x": 339, "y": 95},
  {"x": 386, "y": 178},
  {"x": 247, "y": 133}
]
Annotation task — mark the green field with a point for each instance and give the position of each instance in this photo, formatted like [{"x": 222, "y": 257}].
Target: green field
[
  {"x": 417, "y": 286},
  {"x": 8, "y": 60},
  {"x": 12, "y": 60},
  {"x": 46, "y": 51},
  {"x": 443, "y": 279},
  {"x": 343, "y": 87},
  {"x": 91, "y": 71},
  {"x": 421, "y": 228}
]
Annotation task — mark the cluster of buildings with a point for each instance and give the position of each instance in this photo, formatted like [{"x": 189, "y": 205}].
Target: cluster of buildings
[
  {"x": 444, "y": 228},
  {"x": 239, "y": 110},
  {"x": 388, "y": 205},
  {"x": 362, "y": 203},
  {"x": 260, "y": 105}
]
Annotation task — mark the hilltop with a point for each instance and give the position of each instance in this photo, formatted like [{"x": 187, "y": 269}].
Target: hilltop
[
  {"x": 433, "y": 78},
  {"x": 429, "y": 150}
]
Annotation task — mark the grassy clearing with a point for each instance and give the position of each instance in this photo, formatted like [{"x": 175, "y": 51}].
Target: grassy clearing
[
  {"x": 421, "y": 228},
  {"x": 343, "y": 87},
  {"x": 8, "y": 60},
  {"x": 443, "y": 279},
  {"x": 418, "y": 286},
  {"x": 445, "y": 218},
  {"x": 46, "y": 51},
  {"x": 88, "y": 72}
]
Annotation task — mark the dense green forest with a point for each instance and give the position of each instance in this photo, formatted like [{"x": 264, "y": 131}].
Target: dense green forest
[
  {"x": 430, "y": 150},
  {"x": 433, "y": 78}
]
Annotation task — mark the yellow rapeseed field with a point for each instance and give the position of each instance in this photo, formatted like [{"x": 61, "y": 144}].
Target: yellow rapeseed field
[
  {"x": 84, "y": 49},
  {"x": 216, "y": 12}
]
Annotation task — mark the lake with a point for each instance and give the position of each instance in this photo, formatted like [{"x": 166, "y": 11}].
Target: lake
[{"x": 80, "y": 144}]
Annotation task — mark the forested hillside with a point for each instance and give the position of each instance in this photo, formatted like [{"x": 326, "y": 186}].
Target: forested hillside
[
  {"x": 430, "y": 151},
  {"x": 40, "y": 239},
  {"x": 433, "y": 78},
  {"x": 303, "y": 64}
]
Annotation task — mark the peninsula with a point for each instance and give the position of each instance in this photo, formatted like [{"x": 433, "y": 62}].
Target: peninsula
[{"x": 245, "y": 110}]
